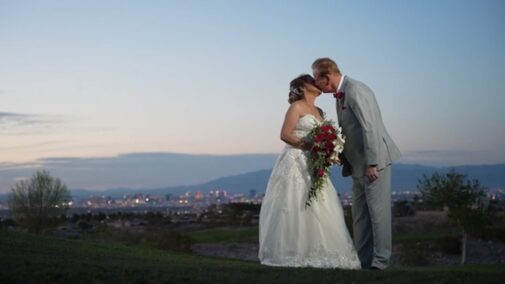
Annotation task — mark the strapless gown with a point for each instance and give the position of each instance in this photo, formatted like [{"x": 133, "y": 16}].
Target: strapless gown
[{"x": 293, "y": 235}]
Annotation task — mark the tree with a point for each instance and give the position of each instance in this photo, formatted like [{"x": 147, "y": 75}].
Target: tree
[
  {"x": 36, "y": 203},
  {"x": 463, "y": 199}
]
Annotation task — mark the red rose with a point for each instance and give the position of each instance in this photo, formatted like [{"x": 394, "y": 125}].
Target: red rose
[
  {"x": 339, "y": 95},
  {"x": 320, "y": 173},
  {"x": 329, "y": 146},
  {"x": 326, "y": 128},
  {"x": 318, "y": 138}
]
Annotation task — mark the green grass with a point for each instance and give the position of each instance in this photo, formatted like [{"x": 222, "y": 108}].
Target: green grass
[
  {"x": 26, "y": 258},
  {"x": 225, "y": 235},
  {"x": 422, "y": 237}
]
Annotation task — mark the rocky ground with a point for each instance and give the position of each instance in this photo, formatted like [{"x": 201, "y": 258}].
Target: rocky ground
[
  {"x": 417, "y": 253},
  {"x": 479, "y": 252}
]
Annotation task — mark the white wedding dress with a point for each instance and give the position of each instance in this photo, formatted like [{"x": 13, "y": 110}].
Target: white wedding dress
[{"x": 291, "y": 234}]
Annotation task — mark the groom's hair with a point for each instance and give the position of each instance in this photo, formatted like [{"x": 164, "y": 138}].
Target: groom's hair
[{"x": 325, "y": 66}]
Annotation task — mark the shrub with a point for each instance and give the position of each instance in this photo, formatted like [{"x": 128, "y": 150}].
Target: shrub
[{"x": 403, "y": 208}]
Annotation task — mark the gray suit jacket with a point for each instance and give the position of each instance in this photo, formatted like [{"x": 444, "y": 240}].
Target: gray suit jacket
[{"x": 367, "y": 141}]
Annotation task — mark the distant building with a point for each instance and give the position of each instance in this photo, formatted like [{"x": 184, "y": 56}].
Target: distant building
[
  {"x": 199, "y": 196},
  {"x": 252, "y": 193}
]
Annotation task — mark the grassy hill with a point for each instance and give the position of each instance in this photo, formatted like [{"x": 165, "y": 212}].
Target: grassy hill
[{"x": 26, "y": 258}]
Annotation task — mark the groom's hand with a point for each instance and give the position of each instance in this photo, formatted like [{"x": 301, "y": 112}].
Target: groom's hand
[
  {"x": 372, "y": 173},
  {"x": 336, "y": 161}
]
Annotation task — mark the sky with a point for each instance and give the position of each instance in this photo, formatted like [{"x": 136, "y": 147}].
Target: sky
[{"x": 93, "y": 79}]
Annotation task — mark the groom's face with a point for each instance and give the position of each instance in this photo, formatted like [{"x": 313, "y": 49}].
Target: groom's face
[{"x": 322, "y": 81}]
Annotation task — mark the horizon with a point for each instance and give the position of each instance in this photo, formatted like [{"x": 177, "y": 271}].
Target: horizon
[{"x": 156, "y": 170}]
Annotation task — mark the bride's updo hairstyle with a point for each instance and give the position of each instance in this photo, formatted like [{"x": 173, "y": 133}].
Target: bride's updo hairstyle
[{"x": 296, "y": 87}]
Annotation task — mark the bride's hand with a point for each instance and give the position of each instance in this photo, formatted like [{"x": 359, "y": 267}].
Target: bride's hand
[{"x": 305, "y": 145}]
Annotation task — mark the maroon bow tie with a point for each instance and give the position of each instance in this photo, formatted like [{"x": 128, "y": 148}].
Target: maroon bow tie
[{"x": 339, "y": 95}]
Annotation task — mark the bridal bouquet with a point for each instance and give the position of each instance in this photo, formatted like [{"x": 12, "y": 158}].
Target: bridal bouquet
[{"x": 326, "y": 143}]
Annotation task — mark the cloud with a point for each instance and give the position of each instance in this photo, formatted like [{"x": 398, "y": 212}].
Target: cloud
[
  {"x": 8, "y": 166},
  {"x": 4, "y": 115},
  {"x": 31, "y": 146},
  {"x": 20, "y": 119},
  {"x": 438, "y": 153},
  {"x": 445, "y": 157},
  {"x": 19, "y": 123}
]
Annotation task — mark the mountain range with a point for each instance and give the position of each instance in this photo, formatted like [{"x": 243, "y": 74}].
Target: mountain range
[
  {"x": 405, "y": 177},
  {"x": 175, "y": 173}
]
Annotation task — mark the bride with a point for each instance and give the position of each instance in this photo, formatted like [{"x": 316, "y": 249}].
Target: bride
[{"x": 291, "y": 234}]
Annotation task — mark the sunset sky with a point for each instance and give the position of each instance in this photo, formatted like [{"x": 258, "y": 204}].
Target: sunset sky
[{"x": 104, "y": 78}]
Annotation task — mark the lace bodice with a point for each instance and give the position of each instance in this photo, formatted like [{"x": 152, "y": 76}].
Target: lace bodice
[{"x": 305, "y": 125}]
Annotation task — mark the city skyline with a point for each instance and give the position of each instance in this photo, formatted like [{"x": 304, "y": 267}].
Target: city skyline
[{"x": 103, "y": 80}]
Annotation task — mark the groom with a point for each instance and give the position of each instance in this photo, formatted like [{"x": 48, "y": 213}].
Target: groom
[{"x": 367, "y": 156}]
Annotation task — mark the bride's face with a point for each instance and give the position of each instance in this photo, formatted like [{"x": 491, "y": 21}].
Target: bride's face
[{"x": 311, "y": 88}]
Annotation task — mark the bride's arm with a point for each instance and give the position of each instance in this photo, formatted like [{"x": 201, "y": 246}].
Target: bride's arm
[{"x": 290, "y": 121}]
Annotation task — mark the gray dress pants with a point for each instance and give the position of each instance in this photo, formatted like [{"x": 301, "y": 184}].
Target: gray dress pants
[{"x": 371, "y": 212}]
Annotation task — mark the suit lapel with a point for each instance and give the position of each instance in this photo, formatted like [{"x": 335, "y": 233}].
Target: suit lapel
[
  {"x": 341, "y": 102},
  {"x": 339, "y": 112}
]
